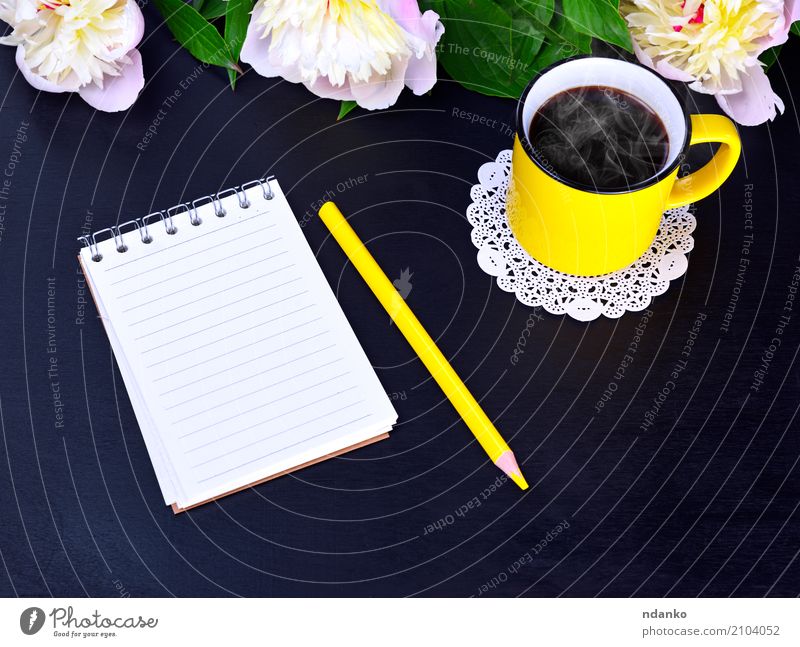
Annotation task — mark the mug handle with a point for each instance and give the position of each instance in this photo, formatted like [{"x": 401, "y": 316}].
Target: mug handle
[{"x": 703, "y": 182}]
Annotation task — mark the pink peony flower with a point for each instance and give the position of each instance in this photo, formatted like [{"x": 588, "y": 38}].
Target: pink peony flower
[
  {"x": 83, "y": 46},
  {"x": 714, "y": 45},
  {"x": 357, "y": 50}
]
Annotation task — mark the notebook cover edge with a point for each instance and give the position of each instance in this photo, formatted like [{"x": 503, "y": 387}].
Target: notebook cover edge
[{"x": 369, "y": 441}]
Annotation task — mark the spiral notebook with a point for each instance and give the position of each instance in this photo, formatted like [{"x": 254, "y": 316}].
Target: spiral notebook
[{"x": 239, "y": 363}]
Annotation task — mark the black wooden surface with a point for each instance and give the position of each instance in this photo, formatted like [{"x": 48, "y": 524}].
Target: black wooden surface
[{"x": 703, "y": 502}]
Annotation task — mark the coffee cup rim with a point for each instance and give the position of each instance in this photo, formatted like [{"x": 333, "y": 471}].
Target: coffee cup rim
[{"x": 636, "y": 186}]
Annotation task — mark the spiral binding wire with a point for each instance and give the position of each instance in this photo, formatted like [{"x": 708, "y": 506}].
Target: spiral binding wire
[{"x": 142, "y": 225}]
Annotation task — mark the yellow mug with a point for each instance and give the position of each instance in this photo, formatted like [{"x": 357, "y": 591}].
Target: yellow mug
[{"x": 585, "y": 230}]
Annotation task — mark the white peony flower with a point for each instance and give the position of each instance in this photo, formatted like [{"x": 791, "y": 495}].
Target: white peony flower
[
  {"x": 83, "y": 46},
  {"x": 358, "y": 50},
  {"x": 714, "y": 45}
]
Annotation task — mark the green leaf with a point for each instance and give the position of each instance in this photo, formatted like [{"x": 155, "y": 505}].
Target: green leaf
[
  {"x": 488, "y": 47},
  {"x": 770, "y": 56},
  {"x": 198, "y": 4},
  {"x": 558, "y": 31},
  {"x": 345, "y": 108},
  {"x": 795, "y": 28},
  {"x": 195, "y": 33},
  {"x": 237, "y": 17},
  {"x": 529, "y": 26},
  {"x": 600, "y": 19},
  {"x": 568, "y": 43},
  {"x": 213, "y": 9}
]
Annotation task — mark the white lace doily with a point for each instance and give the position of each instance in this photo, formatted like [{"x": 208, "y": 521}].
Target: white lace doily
[{"x": 582, "y": 297}]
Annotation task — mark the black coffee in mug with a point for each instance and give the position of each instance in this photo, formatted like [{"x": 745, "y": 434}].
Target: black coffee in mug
[{"x": 599, "y": 137}]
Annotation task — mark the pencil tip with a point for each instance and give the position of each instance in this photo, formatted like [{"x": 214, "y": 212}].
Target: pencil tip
[
  {"x": 519, "y": 480},
  {"x": 508, "y": 464}
]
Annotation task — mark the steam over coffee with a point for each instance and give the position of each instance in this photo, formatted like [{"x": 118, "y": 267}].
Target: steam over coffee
[{"x": 600, "y": 137}]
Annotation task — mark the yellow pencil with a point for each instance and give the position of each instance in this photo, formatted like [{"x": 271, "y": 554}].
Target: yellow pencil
[{"x": 455, "y": 390}]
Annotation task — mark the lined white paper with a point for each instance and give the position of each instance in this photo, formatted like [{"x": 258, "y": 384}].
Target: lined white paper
[{"x": 238, "y": 359}]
